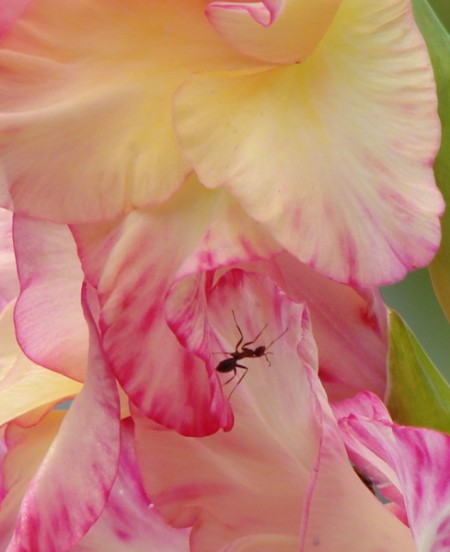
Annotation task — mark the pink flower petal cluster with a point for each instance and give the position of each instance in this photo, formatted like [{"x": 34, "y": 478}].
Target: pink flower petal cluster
[
  {"x": 155, "y": 318},
  {"x": 280, "y": 480},
  {"x": 184, "y": 177},
  {"x": 408, "y": 465}
]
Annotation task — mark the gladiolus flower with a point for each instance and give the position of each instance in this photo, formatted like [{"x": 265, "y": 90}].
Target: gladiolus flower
[
  {"x": 185, "y": 177},
  {"x": 153, "y": 311},
  {"x": 319, "y": 119}
]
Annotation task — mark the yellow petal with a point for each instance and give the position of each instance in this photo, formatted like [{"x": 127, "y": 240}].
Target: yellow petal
[
  {"x": 85, "y": 99},
  {"x": 25, "y": 386},
  {"x": 333, "y": 155}
]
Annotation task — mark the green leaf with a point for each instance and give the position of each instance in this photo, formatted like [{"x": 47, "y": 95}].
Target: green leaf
[
  {"x": 438, "y": 43},
  {"x": 418, "y": 394}
]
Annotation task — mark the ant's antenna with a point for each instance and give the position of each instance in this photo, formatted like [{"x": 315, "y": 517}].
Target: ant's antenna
[
  {"x": 242, "y": 337},
  {"x": 276, "y": 339}
]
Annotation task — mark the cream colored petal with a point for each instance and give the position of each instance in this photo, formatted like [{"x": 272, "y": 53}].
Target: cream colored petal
[
  {"x": 333, "y": 155},
  {"x": 25, "y": 386},
  {"x": 85, "y": 104},
  {"x": 275, "y": 31}
]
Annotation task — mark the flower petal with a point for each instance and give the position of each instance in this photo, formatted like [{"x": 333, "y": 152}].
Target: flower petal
[
  {"x": 86, "y": 131},
  {"x": 129, "y": 521},
  {"x": 25, "y": 449},
  {"x": 25, "y": 386},
  {"x": 420, "y": 458},
  {"x": 283, "y": 464},
  {"x": 372, "y": 463},
  {"x": 198, "y": 231},
  {"x": 334, "y": 156},
  {"x": 10, "y": 10},
  {"x": 229, "y": 484},
  {"x": 9, "y": 285},
  {"x": 350, "y": 328},
  {"x": 340, "y": 510},
  {"x": 58, "y": 510},
  {"x": 275, "y": 31},
  {"x": 49, "y": 321},
  {"x": 263, "y": 543}
]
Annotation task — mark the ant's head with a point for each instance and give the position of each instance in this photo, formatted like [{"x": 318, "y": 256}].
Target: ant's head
[{"x": 260, "y": 351}]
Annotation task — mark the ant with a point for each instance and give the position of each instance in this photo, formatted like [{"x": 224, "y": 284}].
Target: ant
[{"x": 232, "y": 362}]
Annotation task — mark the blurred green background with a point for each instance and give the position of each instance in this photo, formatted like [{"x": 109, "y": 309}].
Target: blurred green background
[
  {"x": 414, "y": 298},
  {"x": 442, "y": 8}
]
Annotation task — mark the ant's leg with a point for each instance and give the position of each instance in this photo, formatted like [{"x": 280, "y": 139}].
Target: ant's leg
[
  {"x": 253, "y": 340},
  {"x": 240, "y": 332},
  {"x": 240, "y": 379},
  {"x": 232, "y": 377},
  {"x": 267, "y": 358},
  {"x": 237, "y": 344}
]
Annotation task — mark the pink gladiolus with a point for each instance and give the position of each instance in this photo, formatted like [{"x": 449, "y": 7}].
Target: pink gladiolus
[
  {"x": 319, "y": 120},
  {"x": 281, "y": 480},
  {"x": 202, "y": 195},
  {"x": 147, "y": 309}
]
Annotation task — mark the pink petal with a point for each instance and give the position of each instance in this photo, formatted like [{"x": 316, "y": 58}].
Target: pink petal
[
  {"x": 58, "y": 510},
  {"x": 231, "y": 484},
  {"x": 423, "y": 461},
  {"x": 24, "y": 450},
  {"x": 9, "y": 285},
  {"x": 344, "y": 146},
  {"x": 282, "y": 473},
  {"x": 350, "y": 328},
  {"x": 340, "y": 511},
  {"x": 49, "y": 321},
  {"x": 129, "y": 521},
  {"x": 274, "y": 31},
  {"x": 3, "y": 451},
  {"x": 263, "y": 543},
  {"x": 10, "y": 10},
  {"x": 197, "y": 233},
  {"x": 164, "y": 380},
  {"x": 419, "y": 458},
  {"x": 374, "y": 462}
]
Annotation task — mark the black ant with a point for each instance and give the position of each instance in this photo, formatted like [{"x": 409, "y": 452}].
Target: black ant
[{"x": 230, "y": 364}]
